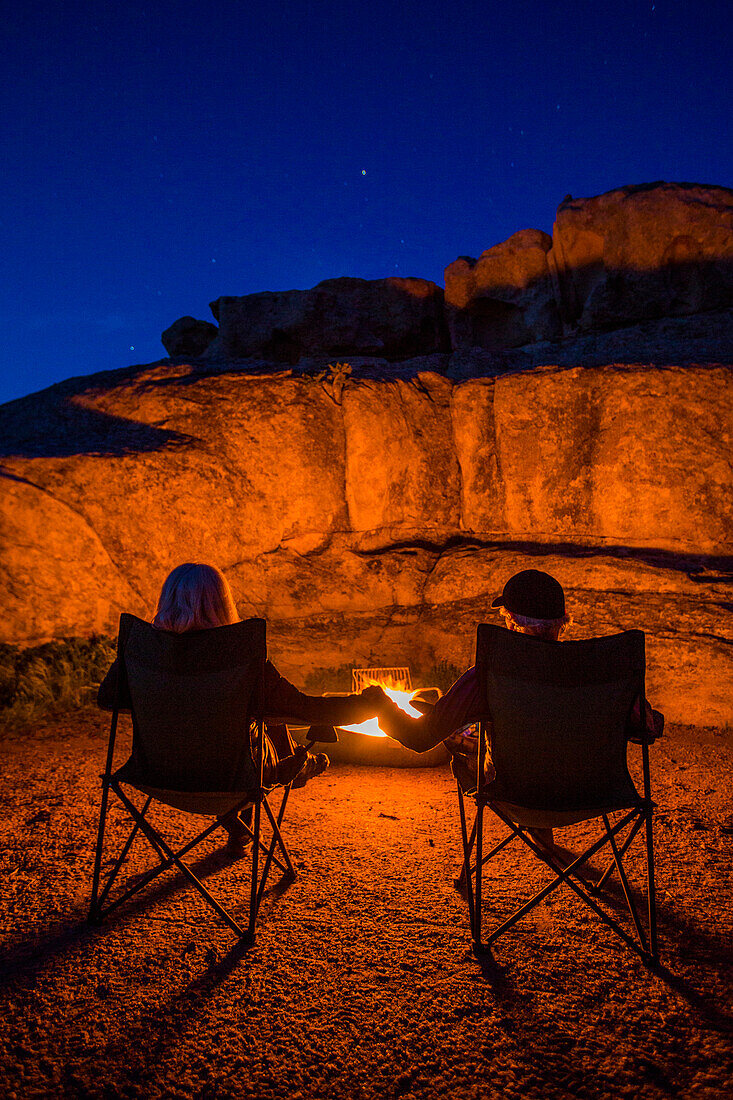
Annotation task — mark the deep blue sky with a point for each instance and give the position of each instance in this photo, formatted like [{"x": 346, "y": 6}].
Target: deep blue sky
[{"x": 160, "y": 154}]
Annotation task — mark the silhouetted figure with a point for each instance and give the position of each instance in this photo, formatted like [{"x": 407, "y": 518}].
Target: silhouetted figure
[
  {"x": 532, "y": 602},
  {"x": 196, "y": 596}
]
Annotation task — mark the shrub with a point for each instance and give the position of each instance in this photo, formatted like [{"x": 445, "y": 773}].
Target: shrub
[
  {"x": 442, "y": 675},
  {"x": 57, "y": 676}
]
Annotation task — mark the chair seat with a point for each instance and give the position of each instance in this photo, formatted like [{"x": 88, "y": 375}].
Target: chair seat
[
  {"x": 204, "y": 803},
  {"x": 537, "y": 817},
  {"x": 532, "y": 818}
]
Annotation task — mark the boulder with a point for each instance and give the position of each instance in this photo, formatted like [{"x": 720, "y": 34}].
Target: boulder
[
  {"x": 391, "y": 318},
  {"x": 188, "y": 338},
  {"x": 647, "y": 251},
  {"x": 505, "y": 298}
]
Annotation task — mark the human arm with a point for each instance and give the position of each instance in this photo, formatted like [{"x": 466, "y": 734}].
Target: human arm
[
  {"x": 459, "y": 707},
  {"x": 285, "y": 703}
]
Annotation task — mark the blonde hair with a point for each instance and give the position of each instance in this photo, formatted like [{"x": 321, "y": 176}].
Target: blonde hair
[{"x": 195, "y": 597}]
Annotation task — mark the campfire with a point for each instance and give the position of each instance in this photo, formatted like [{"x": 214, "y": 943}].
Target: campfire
[
  {"x": 365, "y": 742},
  {"x": 397, "y": 684}
]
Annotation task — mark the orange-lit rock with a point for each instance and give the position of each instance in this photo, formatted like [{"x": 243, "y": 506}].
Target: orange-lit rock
[
  {"x": 371, "y": 510},
  {"x": 635, "y": 254},
  {"x": 402, "y": 477},
  {"x": 646, "y": 251},
  {"x": 58, "y": 578},
  {"x": 229, "y": 467},
  {"x": 505, "y": 298},
  {"x": 371, "y": 521},
  {"x": 616, "y": 455}
]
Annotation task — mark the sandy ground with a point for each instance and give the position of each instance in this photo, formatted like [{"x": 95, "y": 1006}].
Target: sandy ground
[{"x": 362, "y": 983}]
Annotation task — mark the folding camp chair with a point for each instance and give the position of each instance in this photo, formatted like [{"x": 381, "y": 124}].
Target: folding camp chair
[
  {"x": 194, "y": 697},
  {"x": 556, "y": 725}
]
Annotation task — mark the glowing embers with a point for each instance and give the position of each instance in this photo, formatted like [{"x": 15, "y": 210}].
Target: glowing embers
[{"x": 397, "y": 684}]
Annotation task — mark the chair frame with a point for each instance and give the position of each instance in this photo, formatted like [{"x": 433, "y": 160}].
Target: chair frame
[
  {"x": 474, "y": 860},
  {"x": 100, "y": 907}
]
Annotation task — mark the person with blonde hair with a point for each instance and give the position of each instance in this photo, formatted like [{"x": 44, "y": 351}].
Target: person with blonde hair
[{"x": 197, "y": 596}]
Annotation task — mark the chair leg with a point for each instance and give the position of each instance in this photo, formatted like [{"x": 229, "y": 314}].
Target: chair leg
[
  {"x": 185, "y": 870},
  {"x": 94, "y": 914},
  {"x": 276, "y": 829},
  {"x": 255, "y": 871},
  {"x": 466, "y": 874},
  {"x": 121, "y": 857},
  {"x": 565, "y": 874},
  {"x": 467, "y": 871},
  {"x": 478, "y": 874},
  {"x": 651, "y": 886},
  {"x": 155, "y": 872},
  {"x": 276, "y": 840},
  {"x": 622, "y": 851},
  {"x": 169, "y": 858},
  {"x": 625, "y": 884}
]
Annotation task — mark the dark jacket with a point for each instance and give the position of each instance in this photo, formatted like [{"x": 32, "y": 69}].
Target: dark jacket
[{"x": 283, "y": 702}]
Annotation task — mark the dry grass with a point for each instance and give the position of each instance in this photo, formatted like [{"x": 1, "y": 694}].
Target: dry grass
[{"x": 49, "y": 679}]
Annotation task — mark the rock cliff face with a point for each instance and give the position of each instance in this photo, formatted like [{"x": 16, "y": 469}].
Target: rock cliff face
[
  {"x": 653, "y": 250},
  {"x": 506, "y": 298},
  {"x": 370, "y": 519}
]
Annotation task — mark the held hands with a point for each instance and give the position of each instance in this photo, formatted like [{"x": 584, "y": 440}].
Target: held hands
[
  {"x": 375, "y": 699},
  {"x": 384, "y": 709}
]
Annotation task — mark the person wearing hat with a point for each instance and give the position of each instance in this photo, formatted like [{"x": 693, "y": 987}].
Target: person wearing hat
[{"x": 532, "y": 602}]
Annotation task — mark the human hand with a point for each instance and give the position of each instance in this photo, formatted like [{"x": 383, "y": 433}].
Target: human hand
[{"x": 375, "y": 697}]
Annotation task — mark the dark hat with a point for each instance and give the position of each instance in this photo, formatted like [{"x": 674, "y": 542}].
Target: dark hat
[{"x": 534, "y": 594}]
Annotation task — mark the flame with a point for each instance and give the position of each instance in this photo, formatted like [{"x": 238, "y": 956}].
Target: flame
[{"x": 371, "y": 727}]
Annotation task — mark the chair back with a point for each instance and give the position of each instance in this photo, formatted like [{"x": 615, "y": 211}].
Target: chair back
[
  {"x": 193, "y": 696},
  {"x": 559, "y": 713}
]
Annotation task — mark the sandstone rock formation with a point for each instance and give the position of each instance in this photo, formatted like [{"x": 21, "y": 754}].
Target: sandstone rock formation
[
  {"x": 371, "y": 521},
  {"x": 505, "y": 298},
  {"x": 393, "y": 318},
  {"x": 653, "y": 250},
  {"x": 569, "y": 406},
  {"x": 633, "y": 255},
  {"x": 188, "y": 337}
]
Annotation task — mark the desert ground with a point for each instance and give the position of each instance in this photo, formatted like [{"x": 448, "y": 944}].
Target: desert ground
[{"x": 362, "y": 982}]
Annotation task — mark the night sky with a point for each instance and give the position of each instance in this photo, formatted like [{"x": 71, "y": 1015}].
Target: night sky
[{"x": 158, "y": 155}]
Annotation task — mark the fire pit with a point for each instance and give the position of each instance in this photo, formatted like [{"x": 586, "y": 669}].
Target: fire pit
[{"x": 366, "y": 743}]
